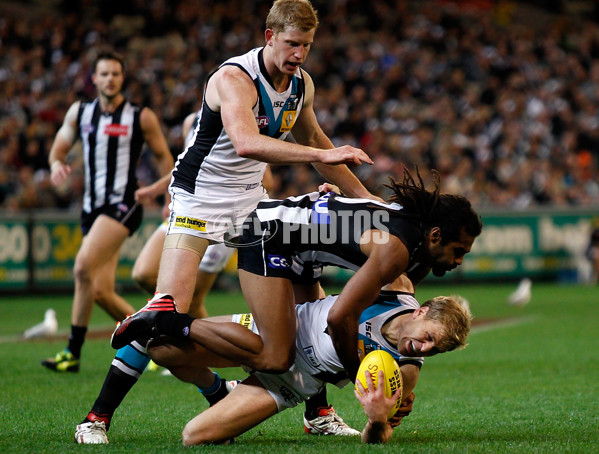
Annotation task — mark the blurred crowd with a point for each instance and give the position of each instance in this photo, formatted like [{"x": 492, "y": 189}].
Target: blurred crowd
[{"x": 506, "y": 111}]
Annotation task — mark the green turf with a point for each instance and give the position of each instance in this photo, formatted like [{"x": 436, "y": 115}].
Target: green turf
[{"x": 528, "y": 383}]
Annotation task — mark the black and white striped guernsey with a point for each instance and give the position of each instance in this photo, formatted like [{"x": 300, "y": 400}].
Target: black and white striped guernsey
[
  {"x": 112, "y": 145},
  {"x": 211, "y": 160},
  {"x": 323, "y": 229}
]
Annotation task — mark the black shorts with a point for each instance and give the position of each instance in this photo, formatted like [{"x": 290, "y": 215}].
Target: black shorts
[
  {"x": 265, "y": 256},
  {"x": 128, "y": 215}
]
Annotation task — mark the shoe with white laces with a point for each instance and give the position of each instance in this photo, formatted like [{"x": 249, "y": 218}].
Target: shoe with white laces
[
  {"x": 142, "y": 324},
  {"x": 328, "y": 422},
  {"x": 91, "y": 433}
]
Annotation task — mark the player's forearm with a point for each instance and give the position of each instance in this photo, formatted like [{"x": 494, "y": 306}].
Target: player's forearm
[
  {"x": 274, "y": 151},
  {"x": 344, "y": 335},
  {"x": 377, "y": 432},
  {"x": 60, "y": 149}
]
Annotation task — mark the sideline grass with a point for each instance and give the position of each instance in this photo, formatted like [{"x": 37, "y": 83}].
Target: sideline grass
[{"x": 526, "y": 387}]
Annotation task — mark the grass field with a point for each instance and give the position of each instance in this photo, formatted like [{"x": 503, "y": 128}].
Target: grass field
[{"x": 527, "y": 383}]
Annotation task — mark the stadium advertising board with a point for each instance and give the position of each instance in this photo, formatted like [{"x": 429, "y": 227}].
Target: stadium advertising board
[
  {"x": 513, "y": 245},
  {"x": 542, "y": 245},
  {"x": 39, "y": 252}
]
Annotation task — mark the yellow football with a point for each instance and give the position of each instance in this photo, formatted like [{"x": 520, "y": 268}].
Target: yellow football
[{"x": 381, "y": 360}]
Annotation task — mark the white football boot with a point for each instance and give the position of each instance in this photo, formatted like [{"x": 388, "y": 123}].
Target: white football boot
[
  {"x": 328, "y": 422},
  {"x": 91, "y": 433}
]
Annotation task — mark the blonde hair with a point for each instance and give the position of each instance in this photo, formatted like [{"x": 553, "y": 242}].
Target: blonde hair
[
  {"x": 453, "y": 312},
  {"x": 292, "y": 13}
]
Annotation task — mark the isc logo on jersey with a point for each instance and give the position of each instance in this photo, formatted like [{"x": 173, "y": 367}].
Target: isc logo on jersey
[{"x": 277, "y": 261}]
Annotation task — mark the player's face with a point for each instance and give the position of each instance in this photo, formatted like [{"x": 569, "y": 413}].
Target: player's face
[
  {"x": 419, "y": 337},
  {"x": 290, "y": 48},
  {"x": 108, "y": 78},
  {"x": 446, "y": 257}
]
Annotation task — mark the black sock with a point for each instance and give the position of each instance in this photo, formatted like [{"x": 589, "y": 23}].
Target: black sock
[
  {"x": 174, "y": 324},
  {"x": 115, "y": 388},
  {"x": 218, "y": 394},
  {"x": 314, "y": 403},
  {"x": 76, "y": 340}
]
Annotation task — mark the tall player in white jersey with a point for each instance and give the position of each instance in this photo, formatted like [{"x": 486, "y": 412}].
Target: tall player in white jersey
[
  {"x": 395, "y": 322},
  {"x": 112, "y": 132},
  {"x": 251, "y": 103}
]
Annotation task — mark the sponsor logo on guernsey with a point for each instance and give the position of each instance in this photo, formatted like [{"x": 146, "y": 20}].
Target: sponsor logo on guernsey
[
  {"x": 190, "y": 223},
  {"x": 246, "y": 321},
  {"x": 115, "y": 130},
  {"x": 320, "y": 211},
  {"x": 288, "y": 120},
  {"x": 286, "y": 393},
  {"x": 262, "y": 121},
  {"x": 277, "y": 261},
  {"x": 309, "y": 351}
]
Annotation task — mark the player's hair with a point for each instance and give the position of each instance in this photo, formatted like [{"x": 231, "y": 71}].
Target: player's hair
[
  {"x": 453, "y": 312},
  {"x": 298, "y": 14},
  {"x": 108, "y": 55},
  {"x": 449, "y": 212}
]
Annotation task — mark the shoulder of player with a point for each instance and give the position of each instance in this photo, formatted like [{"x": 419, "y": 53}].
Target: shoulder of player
[{"x": 147, "y": 118}]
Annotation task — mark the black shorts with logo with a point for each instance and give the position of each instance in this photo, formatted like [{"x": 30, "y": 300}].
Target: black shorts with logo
[{"x": 264, "y": 256}]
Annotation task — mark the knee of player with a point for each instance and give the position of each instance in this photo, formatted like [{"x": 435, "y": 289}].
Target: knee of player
[
  {"x": 160, "y": 351},
  {"x": 147, "y": 281},
  {"x": 102, "y": 295},
  {"x": 82, "y": 271},
  {"x": 277, "y": 363},
  {"x": 198, "y": 436}
]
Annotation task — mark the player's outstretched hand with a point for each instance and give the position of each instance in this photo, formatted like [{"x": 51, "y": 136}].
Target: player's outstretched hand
[
  {"x": 345, "y": 155},
  {"x": 404, "y": 410},
  {"x": 59, "y": 173},
  {"x": 376, "y": 405},
  {"x": 328, "y": 187}
]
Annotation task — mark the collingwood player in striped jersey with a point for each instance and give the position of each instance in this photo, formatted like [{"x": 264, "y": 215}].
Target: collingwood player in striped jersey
[
  {"x": 394, "y": 322},
  {"x": 112, "y": 132}
]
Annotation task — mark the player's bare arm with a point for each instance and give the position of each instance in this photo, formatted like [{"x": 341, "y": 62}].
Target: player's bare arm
[
  {"x": 387, "y": 259},
  {"x": 65, "y": 137},
  {"x": 232, "y": 92},
  {"x": 156, "y": 141}
]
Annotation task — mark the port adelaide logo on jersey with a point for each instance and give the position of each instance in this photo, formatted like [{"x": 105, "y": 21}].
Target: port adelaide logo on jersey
[{"x": 190, "y": 223}]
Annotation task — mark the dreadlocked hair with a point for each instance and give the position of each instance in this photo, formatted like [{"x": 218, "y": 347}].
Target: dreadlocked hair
[{"x": 449, "y": 212}]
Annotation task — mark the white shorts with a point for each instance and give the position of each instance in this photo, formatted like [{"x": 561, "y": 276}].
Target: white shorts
[
  {"x": 216, "y": 213},
  {"x": 215, "y": 258},
  {"x": 287, "y": 389}
]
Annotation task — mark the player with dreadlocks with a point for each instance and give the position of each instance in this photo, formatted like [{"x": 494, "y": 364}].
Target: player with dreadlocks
[{"x": 285, "y": 244}]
